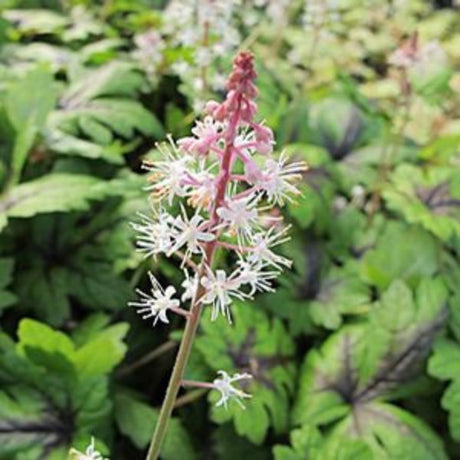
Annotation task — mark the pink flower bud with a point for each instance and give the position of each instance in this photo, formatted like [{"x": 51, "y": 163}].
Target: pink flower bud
[
  {"x": 264, "y": 139},
  {"x": 211, "y": 107}
]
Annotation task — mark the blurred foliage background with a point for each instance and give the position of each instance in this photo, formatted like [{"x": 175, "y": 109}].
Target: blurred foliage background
[{"x": 357, "y": 354}]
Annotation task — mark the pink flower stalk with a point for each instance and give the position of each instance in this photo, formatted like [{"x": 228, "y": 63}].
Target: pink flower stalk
[
  {"x": 226, "y": 175},
  {"x": 227, "y": 206}
]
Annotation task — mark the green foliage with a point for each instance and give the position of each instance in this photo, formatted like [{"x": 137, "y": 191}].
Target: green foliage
[
  {"x": 52, "y": 193},
  {"x": 136, "y": 419},
  {"x": 95, "y": 108},
  {"x": 343, "y": 383},
  {"x": 255, "y": 345},
  {"x": 430, "y": 198},
  {"x": 401, "y": 252},
  {"x": 6, "y": 297},
  {"x": 78, "y": 265},
  {"x": 64, "y": 392},
  {"x": 444, "y": 364}
]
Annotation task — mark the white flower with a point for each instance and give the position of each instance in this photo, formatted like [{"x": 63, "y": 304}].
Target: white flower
[
  {"x": 277, "y": 179},
  {"x": 170, "y": 176},
  {"x": 187, "y": 233},
  {"x": 204, "y": 190},
  {"x": 156, "y": 305},
  {"x": 90, "y": 454},
  {"x": 261, "y": 243},
  {"x": 228, "y": 392},
  {"x": 190, "y": 286},
  {"x": 255, "y": 276},
  {"x": 155, "y": 236},
  {"x": 240, "y": 216},
  {"x": 219, "y": 291}
]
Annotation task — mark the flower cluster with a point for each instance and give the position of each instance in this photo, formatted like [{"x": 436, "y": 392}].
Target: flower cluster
[
  {"x": 217, "y": 189},
  {"x": 207, "y": 31},
  {"x": 224, "y": 181}
]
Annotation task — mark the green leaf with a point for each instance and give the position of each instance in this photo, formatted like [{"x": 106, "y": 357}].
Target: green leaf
[
  {"x": 340, "y": 293},
  {"x": 444, "y": 364},
  {"x": 428, "y": 197},
  {"x": 36, "y": 21},
  {"x": 53, "y": 193},
  {"x": 100, "y": 355},
  {"x": 306, "y": 445},
  {"x": 6, "y": 297},
  {"x": 117, "y": 78},
  {"x": 38, "y": 335},
  {"x": 47, "y": 294},
  {"x": 258, "y": 346},
  {"x": 230, "y": 445},
  {"x": 341, "y": 382},
  {"x": 28, "y": 102},
  {"x": 97, "y": 107},
  {"x": 389, "y": 432},
  {"x": 79, "y": 265},
  {"x": 137, "y": 420},
  {"x": 401, "y": 252},
  {"x": 45, "y": 399},
  {"x": 31, "y": 98},
  {"x": 25, "y": 423}
]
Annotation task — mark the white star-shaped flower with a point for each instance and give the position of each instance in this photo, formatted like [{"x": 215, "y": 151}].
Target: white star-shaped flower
[
  {"x": 155, "y": 235},
  {"x": 255, "y": 276},
  {"x": 228, "y": 392},
  {"x": 170, "y": 176},
  {"x": 240, "y": 216},
  {"x": 262, "y": 243},
  {"x": 187, "y": 232},
  {"x": 158, "y": 303},
  {"x": 277, "y": 178},
  {"x": 190, "y": 285},
  {"x": 219, "y": 292}
]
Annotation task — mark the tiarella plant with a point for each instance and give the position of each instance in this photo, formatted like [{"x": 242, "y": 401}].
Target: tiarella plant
[{"x": 226, "y": 185}]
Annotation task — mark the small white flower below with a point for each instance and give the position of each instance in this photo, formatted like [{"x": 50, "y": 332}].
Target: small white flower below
[
  {"x": 255, "y": 277},
  {"x": 228, "y": 392},
  {"x": 262, "y": 244},
  {"x": 219, "y": 291}
]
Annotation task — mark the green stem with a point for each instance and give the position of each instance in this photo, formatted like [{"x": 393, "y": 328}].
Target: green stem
[{"x": 176, "y": 378}]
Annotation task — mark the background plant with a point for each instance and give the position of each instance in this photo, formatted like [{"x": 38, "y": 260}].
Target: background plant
[{"x": 86, "y": 89}]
